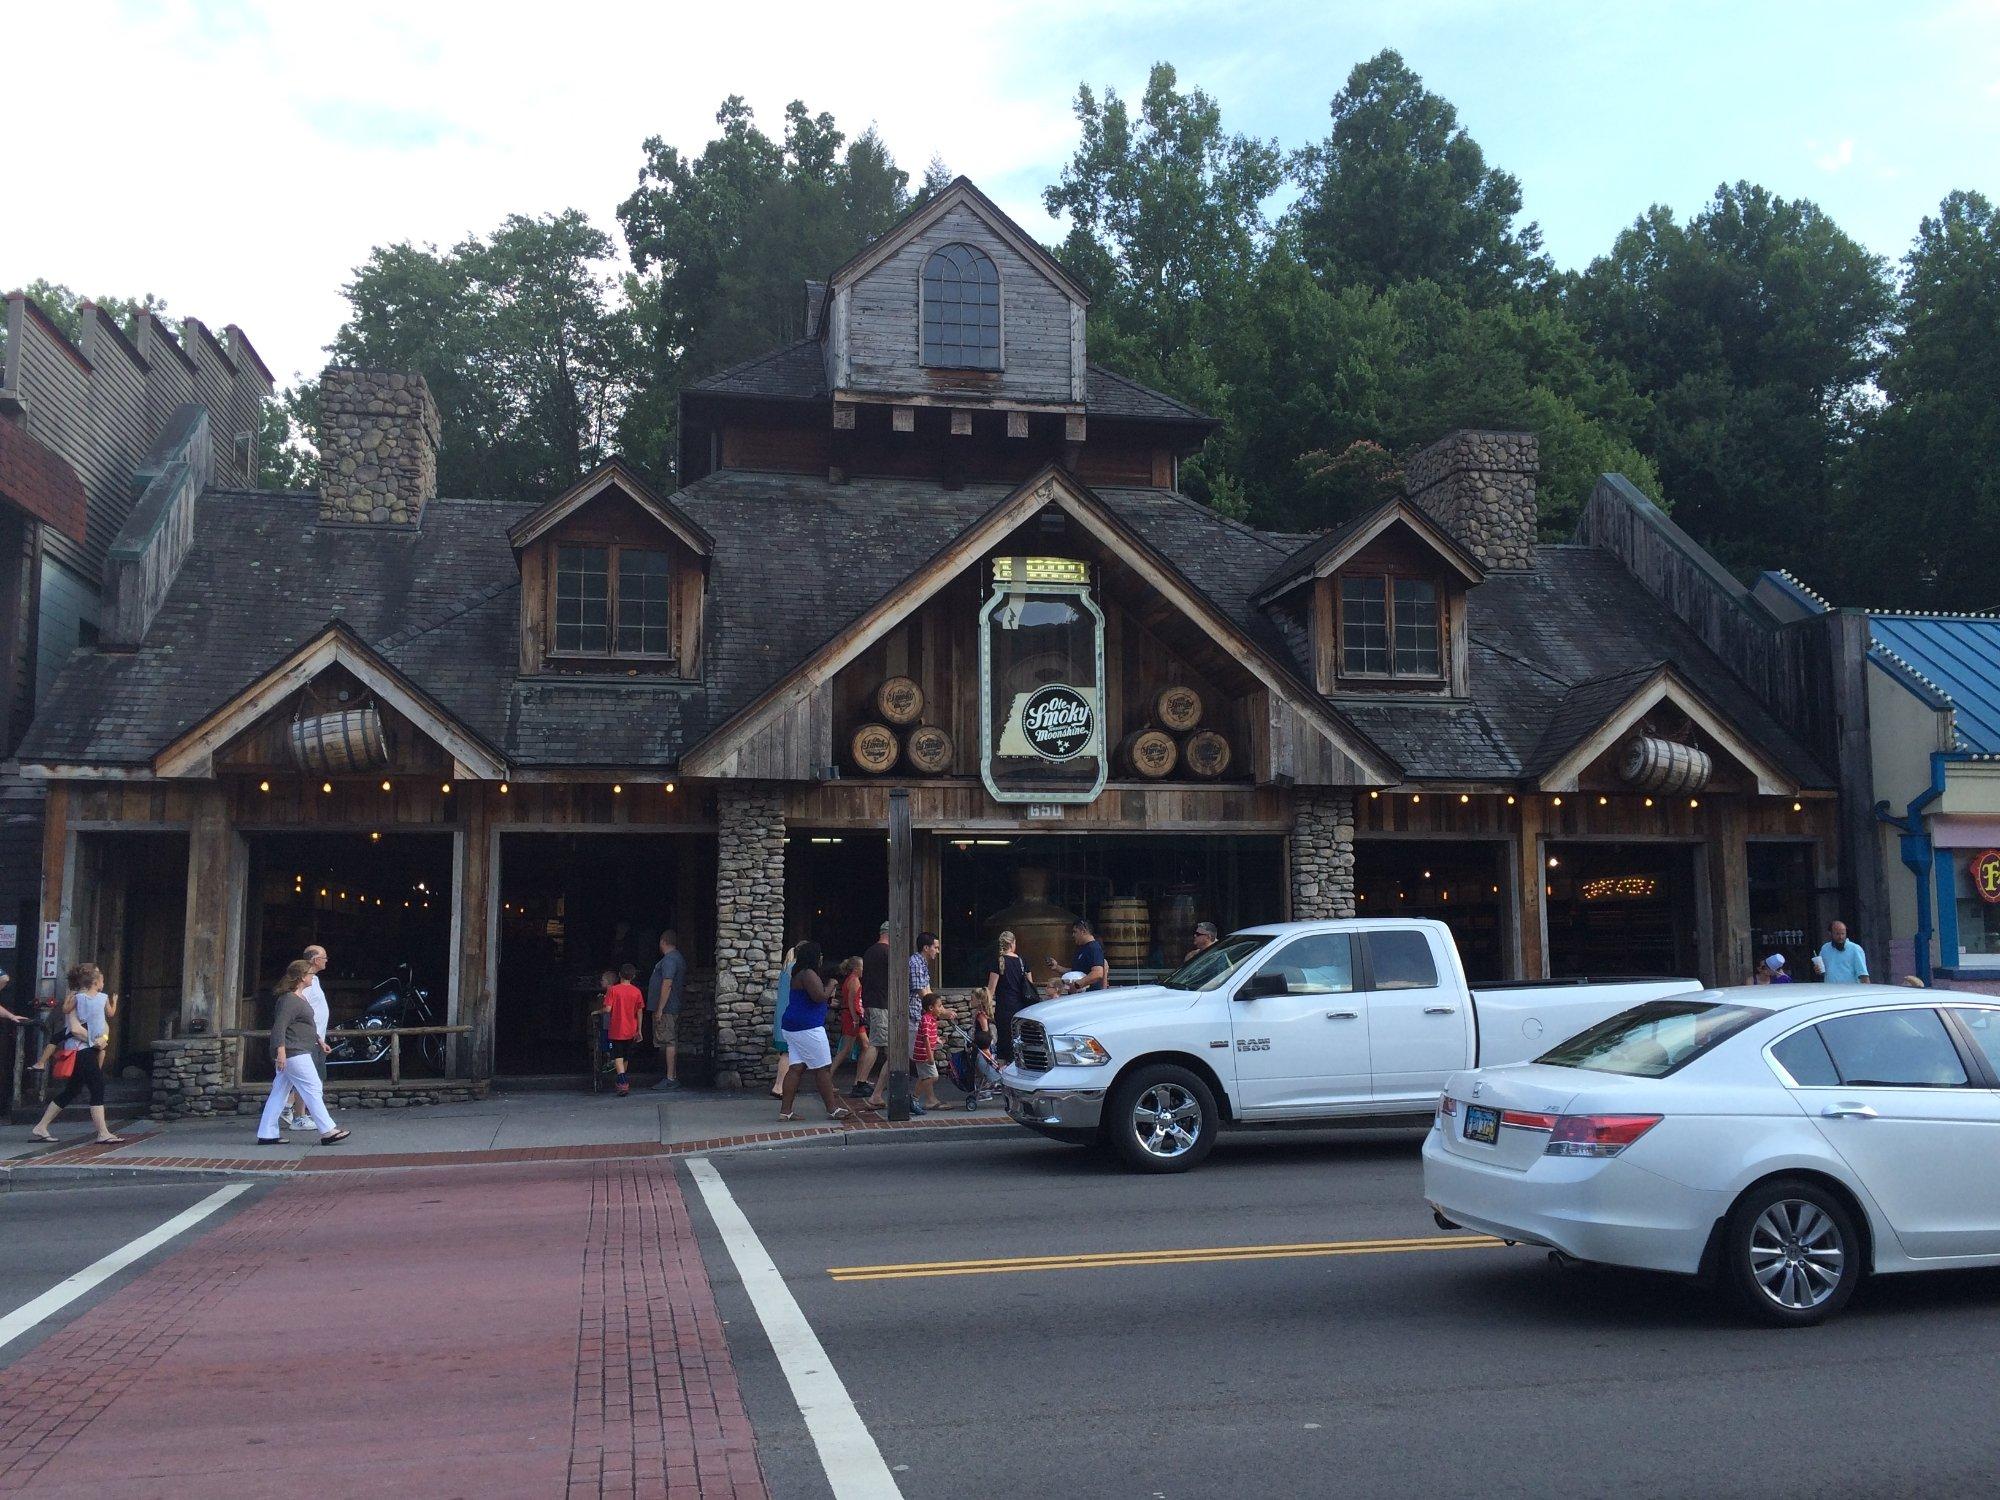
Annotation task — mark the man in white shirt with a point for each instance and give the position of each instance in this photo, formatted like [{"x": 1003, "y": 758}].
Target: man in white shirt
[{"x": 315, "y": 996}]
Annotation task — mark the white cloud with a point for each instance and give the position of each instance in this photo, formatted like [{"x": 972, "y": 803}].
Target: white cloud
[{"x": 1840, "y": 157}]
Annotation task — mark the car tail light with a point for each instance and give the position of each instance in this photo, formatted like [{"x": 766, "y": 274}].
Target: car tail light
[
  {"x": 1447, "y": 1106},
  {"x": 1597, "y": 1135},
  {"x": 1528, "y": 1119}
]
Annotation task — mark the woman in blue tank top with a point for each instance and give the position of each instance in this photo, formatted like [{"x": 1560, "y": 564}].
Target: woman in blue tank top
[{"x": 803, "y": 1023}]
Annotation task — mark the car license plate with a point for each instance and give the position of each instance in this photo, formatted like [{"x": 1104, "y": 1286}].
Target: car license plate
[{"x": 1482, "y": 1124}]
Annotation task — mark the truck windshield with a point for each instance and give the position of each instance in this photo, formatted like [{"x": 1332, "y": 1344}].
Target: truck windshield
[
  {"x": 1211, "y": 968},
  {"x": 1654, "y": 1039}
]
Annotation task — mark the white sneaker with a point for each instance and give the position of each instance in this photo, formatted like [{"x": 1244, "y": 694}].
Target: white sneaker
[{"x": 291, "y": 1122}]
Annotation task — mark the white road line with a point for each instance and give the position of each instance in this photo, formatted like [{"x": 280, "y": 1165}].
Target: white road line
[
  {"x": 66, "y": 1291},
  {"x": 854, "y": 1466}
]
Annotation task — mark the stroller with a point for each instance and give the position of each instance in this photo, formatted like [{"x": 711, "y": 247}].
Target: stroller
[{"x": 972, "y": 1070}]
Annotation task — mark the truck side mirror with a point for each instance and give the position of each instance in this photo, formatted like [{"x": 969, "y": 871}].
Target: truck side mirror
[{"x": 1262, "y": 986}]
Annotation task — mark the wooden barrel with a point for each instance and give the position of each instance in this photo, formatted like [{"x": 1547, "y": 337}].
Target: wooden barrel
[
  {"x": 874, "y": 748},
  {"x": 1206, "y": 754},
  {"x": 1150, "y": 753},
  {"x": 929, "y": 749},
  {"x": 1178, "y": 708},
  {"x": 350, "y": 740},
  {"x": 1125, "y": 931},
  {"x": 900, "y": 700},
  {"x": 1657, "y": 765}
]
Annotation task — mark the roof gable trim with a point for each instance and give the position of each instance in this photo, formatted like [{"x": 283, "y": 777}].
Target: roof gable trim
[
  {"x": 959, "y": 194},
  {"x": 613, "y": 473},
  {"x": 1667, "y": 686}
]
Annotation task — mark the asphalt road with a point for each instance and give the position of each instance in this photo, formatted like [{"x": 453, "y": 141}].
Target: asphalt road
[
  {"x": 1474, "y": 1372},
  {"x": 47, "y": 1234}
]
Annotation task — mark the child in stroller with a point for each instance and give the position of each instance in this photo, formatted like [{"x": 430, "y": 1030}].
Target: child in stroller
[{"x": 972, "y": 1066}]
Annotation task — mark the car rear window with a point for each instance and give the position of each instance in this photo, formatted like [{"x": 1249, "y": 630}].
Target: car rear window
[{"x": 1654, "y": 1039}]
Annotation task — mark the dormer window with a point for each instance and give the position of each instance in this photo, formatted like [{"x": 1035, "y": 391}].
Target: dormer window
[
  {"x": 612, "y": 601},
  {"x": 1390, "y": 627},
  {"x": 961, "y": 309}
]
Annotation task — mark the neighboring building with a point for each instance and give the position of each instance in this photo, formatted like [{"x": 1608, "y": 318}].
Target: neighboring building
[
  {"x": 1933, "y": 715},
  {"x": 930, "y": 546},
  {"x": 91, "y": 433}
]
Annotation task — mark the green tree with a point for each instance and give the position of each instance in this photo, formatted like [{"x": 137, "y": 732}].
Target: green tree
[
  {"x": 1398, "y": 192},
  {"x": 1167, "y": 223},
  {"x": 521, "y": 339},
  {"x": 1919, "y": 516},
  {"x": 1754, "y": 330},
  {"x": 722, "y": 243}
]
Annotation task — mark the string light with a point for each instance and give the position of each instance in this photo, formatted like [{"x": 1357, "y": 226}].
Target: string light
[
  {"x": 446, "y": 788},
  {"x": 1510, "y": 799},
  {"x": 1649, "y": 802},
  {"x": 503, "y": 788},
  {"x": 385, "y": 786},
  {"x": 265, "y": 786},
  {"x": 326, "y": 786},
  {"x": 1798, "y": 807},
  {"x": 617, "y": 787},
  {"x": 1416, "y": 797},
  {"x": 374, "y": 838},
  {"x": 1464, "y": 797},
  {"x": 670, "y": 789},
  {"x": 1553, "y": 861},
  {"x": 1558, "y": 802},
  {"x": 1694, "y": 802},
  {"x": 1603, "y": 801}
]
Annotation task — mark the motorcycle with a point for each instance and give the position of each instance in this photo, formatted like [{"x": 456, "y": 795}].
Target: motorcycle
[{"x": 397, "y": 1001}]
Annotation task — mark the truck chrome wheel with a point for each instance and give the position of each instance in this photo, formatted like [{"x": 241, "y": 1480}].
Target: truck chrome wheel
[
  {"x": 1167, "y": 1120},
  {"x": 1162, "y": 1117}
]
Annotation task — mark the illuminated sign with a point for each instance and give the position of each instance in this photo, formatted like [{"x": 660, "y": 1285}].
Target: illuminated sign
[
  {"x": 1985, "y": 872},
  {"x": 1619, "y": 887}
]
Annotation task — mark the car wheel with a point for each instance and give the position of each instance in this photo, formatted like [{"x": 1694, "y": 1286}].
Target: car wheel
[
  {"x": 1791, "y": 1251},
  {"x": 1162, "y": 1119}
]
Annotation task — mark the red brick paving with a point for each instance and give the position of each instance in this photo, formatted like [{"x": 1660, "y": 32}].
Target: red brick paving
[{"x": 491, "y": 1334}]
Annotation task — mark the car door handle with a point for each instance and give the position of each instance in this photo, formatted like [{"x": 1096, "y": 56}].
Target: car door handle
[
  {"x": 1343, "y": 1015},
  {"x": 1849, "y": 1111},
  {"x": 1440, "y": 1010}
]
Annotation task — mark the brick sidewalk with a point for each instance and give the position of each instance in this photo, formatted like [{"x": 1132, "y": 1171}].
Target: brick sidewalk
[{"x": 464, "y": 1333}]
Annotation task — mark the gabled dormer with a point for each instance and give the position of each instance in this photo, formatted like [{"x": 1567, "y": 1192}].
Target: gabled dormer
[
  {"x": 956, "y": 306},
  {"x": 612, "y": 578},
  {"x": 1384, "y": 604}
]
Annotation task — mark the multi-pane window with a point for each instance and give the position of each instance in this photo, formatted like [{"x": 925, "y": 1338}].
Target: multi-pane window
[
  {"x": 1390, "y": 627},
  {"x": 961, "y": 326},
  {"x": 597, "y": 586}
]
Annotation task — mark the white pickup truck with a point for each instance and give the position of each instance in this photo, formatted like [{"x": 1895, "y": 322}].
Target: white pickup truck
[{"x": 1288, "y": 1024}]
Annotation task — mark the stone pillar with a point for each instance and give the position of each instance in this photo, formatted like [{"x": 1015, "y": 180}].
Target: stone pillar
[
  {"x": 378, "y": 445},
  {"x": 195, "y": 1076},
  {"x": 1480, "y": 487},
  {"x": 1322, "y": 855},
  {"x": 749, "y": 928}
]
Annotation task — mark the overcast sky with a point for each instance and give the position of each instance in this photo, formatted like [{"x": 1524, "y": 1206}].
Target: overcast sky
[{"x": 238, "y": 159}]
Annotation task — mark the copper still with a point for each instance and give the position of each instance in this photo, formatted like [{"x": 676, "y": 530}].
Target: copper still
[{"x": 1041, "y": 928}]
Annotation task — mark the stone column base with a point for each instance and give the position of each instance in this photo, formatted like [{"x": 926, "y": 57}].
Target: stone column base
[
  {"x": 1322, "y": 855},
  {"x": 194, "y": 1076}
]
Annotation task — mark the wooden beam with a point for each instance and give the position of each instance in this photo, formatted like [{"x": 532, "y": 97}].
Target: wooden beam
[
  {"x": 961, "y": 423},
  {"x": 475, "y": 889},
  {"x": 1017, "y": 424},
  {"x": 1731, "y": 961},
  {"x": 1073, "y": 429},
  {"x": 903, "y": 418},
  {"x": 902, "y": 942},
  {"x": 57, "y": 888},
  {"x": 1531, "y": 900},
  {"x": 214, "y": 903},
  {"x": 843, "y": 416}
]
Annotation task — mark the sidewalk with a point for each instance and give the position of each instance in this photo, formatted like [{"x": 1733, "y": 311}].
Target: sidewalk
[{"x": 503, "y": 1128}]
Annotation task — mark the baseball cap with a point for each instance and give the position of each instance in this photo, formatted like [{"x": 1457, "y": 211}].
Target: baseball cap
[{"x": 1775, "y": 962}]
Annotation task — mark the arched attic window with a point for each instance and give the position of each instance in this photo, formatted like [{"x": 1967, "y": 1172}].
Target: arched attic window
[{"x": 961, "y": 321}]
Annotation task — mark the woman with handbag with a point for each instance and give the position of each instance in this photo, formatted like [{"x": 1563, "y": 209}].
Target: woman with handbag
[{"x": 87, "y": 1016}]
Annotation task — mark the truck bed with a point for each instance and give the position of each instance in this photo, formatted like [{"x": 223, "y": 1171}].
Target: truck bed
[{"x": 1519, "y": 1020}]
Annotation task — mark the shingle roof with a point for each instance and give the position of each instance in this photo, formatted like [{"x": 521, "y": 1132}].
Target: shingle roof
[
  {"x": 797, "y": 372},
  {"x": 1960, "y": 656},
  {"x": 1550, "y": 648}
]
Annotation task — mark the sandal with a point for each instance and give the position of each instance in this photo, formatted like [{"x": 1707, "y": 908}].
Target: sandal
[
  {"x": 789, "y": 1117},
  {"x": 111, "y": 1140},
  {"x": 46, "y": 1140},
  {"x": 336, "y": 1138},
  {"x": 841, "y": 1114}
]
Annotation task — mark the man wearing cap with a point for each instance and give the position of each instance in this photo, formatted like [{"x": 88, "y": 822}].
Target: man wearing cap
[
  {"x": 875, "y": 1005},
  {"x": 1775, "y": 970},
  {"x": 1204, "y": 939}
]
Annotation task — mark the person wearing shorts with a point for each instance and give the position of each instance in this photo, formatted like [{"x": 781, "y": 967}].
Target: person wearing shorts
[
  {"x": 924, "y": 1051},
  {"x": 803, "y": 1024},
  {"x": 875, "y": 1007},
  {"x": 665, "y": 989},
  {"x": 623, "y": 1005}
]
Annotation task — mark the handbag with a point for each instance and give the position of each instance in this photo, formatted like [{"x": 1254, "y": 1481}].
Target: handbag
[{"x": 64, "y": 1065}]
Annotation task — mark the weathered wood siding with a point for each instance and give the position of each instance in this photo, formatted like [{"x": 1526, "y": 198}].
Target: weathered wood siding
[
  {"x": 1125, "y": 807},
  {"x": 881, "y": 338}
]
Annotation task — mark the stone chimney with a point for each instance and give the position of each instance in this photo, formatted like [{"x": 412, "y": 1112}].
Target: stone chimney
[
  {"x": 1480, "y": 486},
  {"x": 378, "y": 447}
]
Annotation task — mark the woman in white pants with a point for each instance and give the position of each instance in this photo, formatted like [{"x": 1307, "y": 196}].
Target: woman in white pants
[{"x": 293, "y": 1037}]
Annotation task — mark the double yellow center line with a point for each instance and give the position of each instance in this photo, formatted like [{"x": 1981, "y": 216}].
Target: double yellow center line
[{"x": 1109, "y": 1259}]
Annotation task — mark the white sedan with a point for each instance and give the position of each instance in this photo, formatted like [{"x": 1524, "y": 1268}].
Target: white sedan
[{"x": 1786, "y": 1140}]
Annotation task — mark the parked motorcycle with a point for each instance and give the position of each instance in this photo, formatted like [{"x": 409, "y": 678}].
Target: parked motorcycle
[{"x": 397, "y": 1001}]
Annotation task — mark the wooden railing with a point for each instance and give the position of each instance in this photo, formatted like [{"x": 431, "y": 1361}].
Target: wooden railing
[{"x": 395, "y": 1034}]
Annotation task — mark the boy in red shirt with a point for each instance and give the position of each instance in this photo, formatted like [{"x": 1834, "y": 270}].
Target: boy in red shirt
[{"x": 623, "y": 1004}]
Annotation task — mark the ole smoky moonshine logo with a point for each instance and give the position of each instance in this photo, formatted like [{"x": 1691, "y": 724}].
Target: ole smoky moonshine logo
[{"x": 1056, "y": 721}]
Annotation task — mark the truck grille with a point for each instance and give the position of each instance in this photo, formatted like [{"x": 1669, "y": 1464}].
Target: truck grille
[{"x": 1031, "y": 1047}]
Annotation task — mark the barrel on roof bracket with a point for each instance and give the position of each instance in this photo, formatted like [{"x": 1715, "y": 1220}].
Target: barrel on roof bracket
[
  {"x": 1656, "y": 765},
  {"x": 349, "y": 739}
]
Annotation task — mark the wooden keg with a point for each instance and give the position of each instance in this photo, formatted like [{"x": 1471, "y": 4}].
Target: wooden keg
[
  {"x": 350, "y": 740},
  {"x": 929, "y": 749},
  {"x": 1178, "y": 708},
  {"x": 1206, "y": 754},
  {"x": 1150, "y": 753},
  {"x": 1126, "y": 932},
  {"x": 1657, "y": 765},
  {"x": 875, "y": 748},
  {"x": 900, "y": 700}
]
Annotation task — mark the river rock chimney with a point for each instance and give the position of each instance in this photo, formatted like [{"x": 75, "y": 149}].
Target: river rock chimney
[
  {"x": 1480, "y": 486},
  {"x": 378, "y": 447}
]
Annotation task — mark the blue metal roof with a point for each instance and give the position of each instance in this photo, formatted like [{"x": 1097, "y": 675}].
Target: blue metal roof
[{"x": 1961, "y": 656}]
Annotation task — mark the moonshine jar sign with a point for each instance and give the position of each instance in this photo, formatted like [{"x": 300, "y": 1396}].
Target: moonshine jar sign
[{"x": 1041, "y": 678}]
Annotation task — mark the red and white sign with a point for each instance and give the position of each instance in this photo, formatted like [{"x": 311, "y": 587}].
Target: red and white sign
[{"x": 1985, "y": 872}]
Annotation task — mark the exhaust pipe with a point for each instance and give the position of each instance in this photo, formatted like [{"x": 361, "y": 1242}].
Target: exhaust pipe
[{"x": 1442, "y": 1221}]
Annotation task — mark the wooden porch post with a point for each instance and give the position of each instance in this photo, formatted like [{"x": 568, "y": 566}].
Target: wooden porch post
[
  {"x": 57, "y": 891},
  {"x": 902, "y": 942},
  {"x": 1730, "y": 960},
  {"x": 1530, "y": 877},
  {"x": 211, "y": 957},
  {"x": 470, "y": 1000}
]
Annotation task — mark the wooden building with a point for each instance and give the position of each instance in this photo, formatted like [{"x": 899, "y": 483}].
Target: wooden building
[{"x": 928, "y": 546}]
